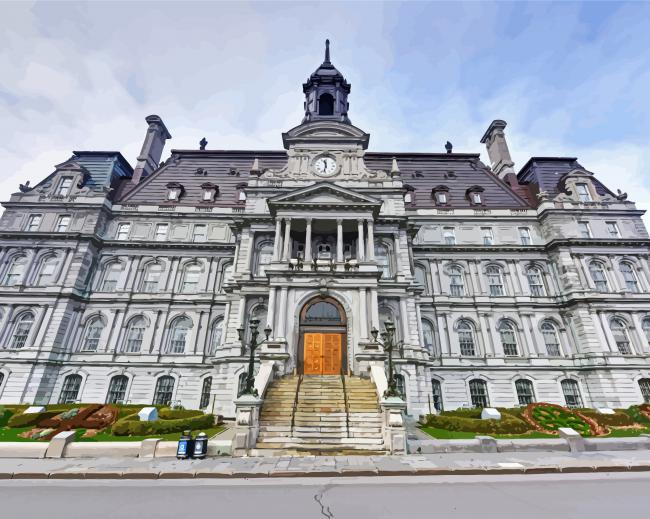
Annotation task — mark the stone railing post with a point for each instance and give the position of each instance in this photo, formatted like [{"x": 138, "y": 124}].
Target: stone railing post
[
  {"x": 393, "y": 428},
  {"x": 247, "y": 424}
]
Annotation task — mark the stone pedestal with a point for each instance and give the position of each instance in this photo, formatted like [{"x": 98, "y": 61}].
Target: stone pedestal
[
  {"x": 394, "y": 429},
  {"x": 247, "y": 420}
]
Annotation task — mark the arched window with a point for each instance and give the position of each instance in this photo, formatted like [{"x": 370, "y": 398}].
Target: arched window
[
  {"x": 46, "y": 271},
  {"x": 16, "y": 271},
  {"x": 92, "y": 334},
  {"x": 386, "y": 314},
  {"x": 456, "y": 283},
  {"x": 427, "y": 336},
  {"x": 111, "y": 276},
  {"x": 205, "y": 393},
  {"x": 241, "y": 383},
  {"x": 178, "y": 332},
  {"x": 621, "y": 337},
  {"x": 508, "y": 334},
  {"x": 645, "y": 324},
  {"x": 2, "y": 378},
  {"x": 324, "y": 312},
  {"x": 70, "y": 389},
  {"x": 21, "y": 330},
  {"x": 264, "y": 257},
  {"x": 597, "y": 272},
  {"x": 326, "y": 104},
  {"x": 382, "y": 256},
  {"x": 478, "y": 393},
  {"x": 551, "y": 340},
  {"x": 436, "y": 394},
  {"x": 117, "y": 389},
  {"x": 164, "y": 391},
  {"x": 495, "y": 280},
  {"x": 191, "y": 277},
  {"x": 525, "y": 392},
  {"x": 134, "y": 334},
  {"x": 258, "y": 312},
  {"x": 631, "y": 283},
  {"x": 644, "y": 386},
  {"x": 216, "y": 335},
  {"x": 571, "y": 393},
  {"x": 466, "y": 338},
  {"x": 535, "y": 281},
  {"x": 152, "y": 277}
]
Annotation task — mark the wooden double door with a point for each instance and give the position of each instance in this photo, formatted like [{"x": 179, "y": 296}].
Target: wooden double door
[{"x": 323, "y": 353}]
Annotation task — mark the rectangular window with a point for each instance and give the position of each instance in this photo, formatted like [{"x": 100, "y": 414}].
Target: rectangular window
[
  {"x": 200, "y": 233},
  {"x": 612, "y": 230},
  {"x": 488, "y": 236},
  {"x": 584, "y": 230},
  {"x": 449, "y": 236},
  {"x": 441, "y": 198},
  {"x": 583, "y": 193},
  {"x": 62, "y": 224},
  {"x": 524, "y": 235},
  {"x": 476, "y": 198},
  {"x": 64, "y": 186},
  {"x": 173, "y": 193},
  {"x": 34, "y": 222},
  {"x": 123, "y": 231},
  {"x": 207, "y": 195},
  {"x": 161, "y": 232}
]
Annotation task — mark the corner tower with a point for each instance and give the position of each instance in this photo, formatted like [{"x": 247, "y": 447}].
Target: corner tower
[{"x": 326, "y": 93}]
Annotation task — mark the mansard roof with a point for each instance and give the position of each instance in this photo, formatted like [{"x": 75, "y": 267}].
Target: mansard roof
[
  {"x": 548, "y": 172},
  {"x": 455, "y": 171},
  {"x": 230, "y": 169}
]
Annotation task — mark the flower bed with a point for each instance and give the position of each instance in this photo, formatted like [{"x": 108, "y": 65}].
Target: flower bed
[
  {"x": 469, "y": 420},
  {"x": 549, "y": 418}
]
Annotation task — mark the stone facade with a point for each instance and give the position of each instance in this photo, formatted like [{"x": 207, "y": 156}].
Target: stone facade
[{"x": 130, "y": 285}]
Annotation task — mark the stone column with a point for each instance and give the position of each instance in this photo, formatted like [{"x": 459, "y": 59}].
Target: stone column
[
  {"x": 360, "y": 243},
  {"x": 406, "y": 329},
  {"x": 339, "y": 240},
  {"x": 609, "y": 339},
  {"x": 270, "y": 317},
  {"x": 398, "y": 267},
  {"x": 287, "y": 240},
  {"x": 308, "y": 242},
  {"x": 277, "y": 243},
  {"x": 363, "y": 314},
  {"x": 374, "y": 308},
  {"x": 371, "y": 240},
  {"x": 282, "y": 314}
]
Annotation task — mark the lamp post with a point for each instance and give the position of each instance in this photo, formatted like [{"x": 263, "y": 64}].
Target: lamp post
[
  {"x": 250, "y": 379},
  {"x": 388, "y": 342}
]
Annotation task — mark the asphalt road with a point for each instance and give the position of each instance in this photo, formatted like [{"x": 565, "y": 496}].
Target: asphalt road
[{"x": 546, "y": 496}]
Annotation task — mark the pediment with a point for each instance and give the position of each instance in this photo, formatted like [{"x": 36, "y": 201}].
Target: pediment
[
  {"x": 325, "y": 132},
  {"x": 324, "y": 194}
]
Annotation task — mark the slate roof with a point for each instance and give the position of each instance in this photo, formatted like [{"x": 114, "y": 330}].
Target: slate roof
[
  {"x": 228, "y": 169},
  {"x": 102, "y": 165},
  {"x": 546, "y": 173}
]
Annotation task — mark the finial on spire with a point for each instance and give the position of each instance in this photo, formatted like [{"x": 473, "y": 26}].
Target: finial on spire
[{"x": 327, "y": 51}]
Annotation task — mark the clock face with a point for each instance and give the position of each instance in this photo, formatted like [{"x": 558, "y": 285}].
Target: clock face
[{"x": 325, "y": 166}]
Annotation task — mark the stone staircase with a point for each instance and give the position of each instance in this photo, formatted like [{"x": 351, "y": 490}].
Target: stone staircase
[{"x": 319, "y": 415}]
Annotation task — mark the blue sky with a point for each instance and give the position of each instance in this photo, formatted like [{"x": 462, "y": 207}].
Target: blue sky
[{"x": 571, "y": 79}]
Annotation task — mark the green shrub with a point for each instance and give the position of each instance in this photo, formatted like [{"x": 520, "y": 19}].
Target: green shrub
[
  {"x": 27, "y": 420},
  {"x": 4, "y": 415},
  {"x": 507, "y": 425},
  {"x": 634, "y": 412},
  {"x": 132, "y": 426},
  {"x": 618, "y": 419},
  {"x": 474, "y": 412},
  {"x": 176, "y": 414}
]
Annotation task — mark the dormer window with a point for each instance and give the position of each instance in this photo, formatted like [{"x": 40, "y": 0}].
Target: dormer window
[
  {"x": 583, "y": 192},
  {"x": 64, "y": 186},
  {"x": 241, "y": 193},
  {"x": 209, "y": 192},
  {"x": 475, "y": 195},
  {"x": 174, "y": 191},
  {"x": 409, "y": 196},
  {"x": 441, "y": 195}
]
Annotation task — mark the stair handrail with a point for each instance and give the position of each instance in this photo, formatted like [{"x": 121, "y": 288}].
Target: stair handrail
[
  {"x": 295, "y": 404},
  {"x": 347, "y": 405}
]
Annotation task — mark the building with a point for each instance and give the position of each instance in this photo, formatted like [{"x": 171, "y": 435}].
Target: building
[{"x": 125, "y": 284}]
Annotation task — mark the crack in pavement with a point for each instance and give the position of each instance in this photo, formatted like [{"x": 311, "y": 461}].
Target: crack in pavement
[{"x": 324, "y": 510}]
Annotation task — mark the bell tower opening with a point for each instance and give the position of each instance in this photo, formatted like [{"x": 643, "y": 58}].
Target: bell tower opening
[{"x": 326, "y": 105}]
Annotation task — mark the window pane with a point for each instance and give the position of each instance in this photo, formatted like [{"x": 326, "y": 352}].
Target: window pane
[
  {"x": 535, "y": 283},
  {"x": 164, "y": 391},
  {"x": 200, "y": 233},
  {"x": 508, "y": 339},
  {"x": 436, "y": 394},
  {"x": 571, "y": 393},
  {"x": 551, "y": 340},
  {"x": 619, "y": 331},
  {"x": 466, "y": 339},
  {"x": 644, "y": 386},
  {"x": 70, "y": 390},
  {"x": 525, "y": 393},
  {"x": 117, "y": 390},
  {"x": 135, "y": 335},
  {"x": 205, "y": 393},
  {"x": 629, "y": 277},
  {"x": 598, "y": 276},
  {"x": 21, "y": 331},
  {"x": 478, "y": 393},
  {"x": 62, "y": 223},
  {"x": 161, "y": 231},
  {"x": 495, "y": 282}
]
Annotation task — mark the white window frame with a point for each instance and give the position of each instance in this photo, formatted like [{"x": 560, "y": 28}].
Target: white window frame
[
  {"x": 33, "y": 222},
  {"x": 584, "y": 229},
  {"x": 65, "y": 186},
  {"x": 524, "y": 236},
  {"x": 161, "y": 232},
  {"x": 449, "y": 235},
  {"x": 200, "y": 237},
  {"x": 122, "y": 232},
  {"x": 583, "y": 196},
  {"x": 63, "y": 223},
  {"x": 613, "y": 230},
  {"x": 488, "y": 235}
]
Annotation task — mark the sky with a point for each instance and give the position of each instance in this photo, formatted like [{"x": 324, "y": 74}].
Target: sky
[{"x": 570, "y": 79}]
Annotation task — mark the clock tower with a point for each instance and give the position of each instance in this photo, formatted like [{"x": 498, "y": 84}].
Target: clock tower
[{"x": 326, "y": 93}]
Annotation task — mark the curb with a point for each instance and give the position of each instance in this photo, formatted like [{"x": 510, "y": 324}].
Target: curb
[{"x": 329, "y": 473}]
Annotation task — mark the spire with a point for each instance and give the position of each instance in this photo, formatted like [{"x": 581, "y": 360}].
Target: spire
[
  {"x": 394, "y": 170},
  {"x": 327, "y": 52}
]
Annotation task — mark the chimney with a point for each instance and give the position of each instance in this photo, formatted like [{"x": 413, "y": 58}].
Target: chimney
[
  {"x": 152, "y": 148},
  {"x": 497, "y": 148}
]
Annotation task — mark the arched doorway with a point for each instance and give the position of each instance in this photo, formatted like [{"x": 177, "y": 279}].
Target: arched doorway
[{"x": 323, "y": 338}]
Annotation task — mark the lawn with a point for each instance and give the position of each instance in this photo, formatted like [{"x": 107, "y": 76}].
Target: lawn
[
  {"x": 443, "y": 434},
  {"x": 11, "y": 435}
]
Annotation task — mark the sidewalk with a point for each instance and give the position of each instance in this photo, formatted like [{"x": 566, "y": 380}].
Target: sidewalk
[{"x": 326, "y": 466}]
